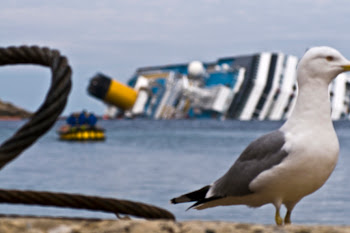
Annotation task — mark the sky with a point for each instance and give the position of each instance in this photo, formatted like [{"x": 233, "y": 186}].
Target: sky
[{"x": 116, "y": 37}]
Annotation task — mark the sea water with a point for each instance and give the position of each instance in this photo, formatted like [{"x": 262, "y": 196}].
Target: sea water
[{"x": 153, "y": 161}]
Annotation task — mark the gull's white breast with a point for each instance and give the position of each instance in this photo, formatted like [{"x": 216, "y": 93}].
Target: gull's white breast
[{"x": 312, "y": 158}]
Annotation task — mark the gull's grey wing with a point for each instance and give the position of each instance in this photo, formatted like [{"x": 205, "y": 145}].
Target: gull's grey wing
[{"x": 262, "y": 154}]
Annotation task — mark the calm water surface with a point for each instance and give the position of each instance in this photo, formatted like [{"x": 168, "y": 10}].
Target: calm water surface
[{"x": 154, "y": 161}]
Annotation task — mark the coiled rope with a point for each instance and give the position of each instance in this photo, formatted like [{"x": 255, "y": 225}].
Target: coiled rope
[
  {"x": 53, "y": 105},
  {"x": 42, "y": 120}
]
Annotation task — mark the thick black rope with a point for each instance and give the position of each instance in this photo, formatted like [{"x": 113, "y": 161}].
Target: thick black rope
[
  {"x": 84, "y": 202},
  {"x": 54, "y": 103},
  {"x": 42, "y": 120}
]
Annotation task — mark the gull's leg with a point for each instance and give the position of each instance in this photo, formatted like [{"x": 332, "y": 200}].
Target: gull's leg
[
  {"x": 277, "y": 203},
  {"x": 289, "y": 206},
  {"x": 287, "y": 217},
  {"x": 278, "y": 219}
]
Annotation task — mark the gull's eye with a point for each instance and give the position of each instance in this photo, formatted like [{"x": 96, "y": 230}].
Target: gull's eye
[{"x": 330, "y": 58}]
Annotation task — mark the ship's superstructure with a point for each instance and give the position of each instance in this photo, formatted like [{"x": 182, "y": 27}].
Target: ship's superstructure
[{"x": 260, "y": 86}]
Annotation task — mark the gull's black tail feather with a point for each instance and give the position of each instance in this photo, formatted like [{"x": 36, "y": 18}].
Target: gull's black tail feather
[{"x": 192, "y": 196}]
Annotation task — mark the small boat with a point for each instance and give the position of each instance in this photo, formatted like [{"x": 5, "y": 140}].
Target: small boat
[
  {"x": 81, "y": 133},
  {"x": 81, "y": 126}
]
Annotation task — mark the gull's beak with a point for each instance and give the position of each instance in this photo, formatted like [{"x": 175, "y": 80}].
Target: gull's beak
[{"x": 346, "y": 67}]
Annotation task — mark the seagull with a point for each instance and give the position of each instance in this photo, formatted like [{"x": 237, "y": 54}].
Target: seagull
[{"x": 285, "y": 165}]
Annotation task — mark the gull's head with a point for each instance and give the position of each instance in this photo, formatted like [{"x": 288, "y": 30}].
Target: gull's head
[{"x": 321, "y": 64}]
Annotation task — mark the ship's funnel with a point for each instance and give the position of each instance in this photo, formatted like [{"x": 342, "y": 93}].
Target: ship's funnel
[{"x": 112, "y": 91}]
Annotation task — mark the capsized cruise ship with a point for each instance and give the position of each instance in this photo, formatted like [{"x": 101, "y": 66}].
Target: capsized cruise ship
[{"x": 261, "y": 86}]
